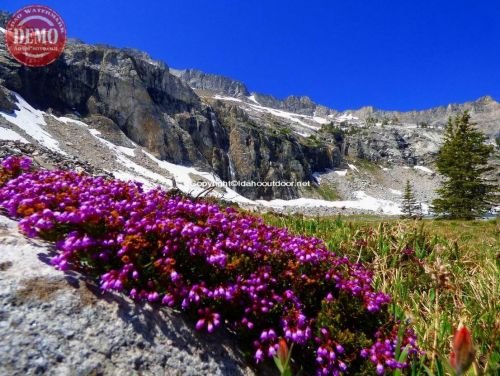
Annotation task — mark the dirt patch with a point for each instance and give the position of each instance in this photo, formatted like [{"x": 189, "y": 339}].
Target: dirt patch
[
  {"x": 45, "y": 290},
  {"x": 39, "y": 288}
]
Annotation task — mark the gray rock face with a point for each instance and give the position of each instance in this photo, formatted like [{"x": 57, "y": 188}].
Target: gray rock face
[
  {"x": 395, "y": 145},
  {"x": 7, "y": 101},
  {"x": 298, "y": 105},
  {"x": 52, "y": 323},
  {"x": 262, "y": 154},
  {"x": 124, "y": 90},
  {"x": 140, "y": 96},
  {"x": 212, "y": 82}
]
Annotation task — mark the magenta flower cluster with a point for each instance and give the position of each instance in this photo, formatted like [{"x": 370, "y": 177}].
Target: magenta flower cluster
[
  {"x": 217, "y": 264},
  {"x": 16, "y": 164},
  {"x": 382, "y": 351},
  {"x": 329, "y": 355}
]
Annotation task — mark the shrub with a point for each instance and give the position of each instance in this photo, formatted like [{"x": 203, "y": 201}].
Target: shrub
[{"x": 216, "y": 264}]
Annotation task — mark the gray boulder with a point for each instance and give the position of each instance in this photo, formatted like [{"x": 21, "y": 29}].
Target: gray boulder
[{"x": 55, "y": 323}]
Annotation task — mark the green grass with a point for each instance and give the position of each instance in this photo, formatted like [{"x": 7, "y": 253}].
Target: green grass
[
  {"x": 328, "y": 193},
  {"x": 325, "y": 192},
  {"x": 366, "y": 165},
  {"x": 452, "y": 278}
]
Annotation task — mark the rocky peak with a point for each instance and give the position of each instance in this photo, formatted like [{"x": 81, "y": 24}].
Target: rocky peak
[
  {"x": 487, "y": 99},
  {"x": 298, "y": 104},
  {"x": 485, "y": 104},
  {"x": 211, "y": 82},
  {"x": 301, "y": 105}
]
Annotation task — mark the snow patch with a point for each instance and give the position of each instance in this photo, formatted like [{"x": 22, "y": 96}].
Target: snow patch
[
  {"x": 296, "y": 118},
  {"x": 317, "y": 177},
  {"x": 424, "y": 169},
  {"x": 346, "y": 117},
  {"x": 182, "y": 175},
  {"x": 131, "y": 165},
  {"x": 495, "y": 210},
  {"x": 352, "y": 167},
  {"x": 127, "y": 176},
  {"x": 252, "y": 98},
  {"x": 395, "y": 192},
  {"x": 284, "y": 114},
  {"x": 10, "y": 135},
  {"x": 31, "y": 121},
  {"x": 184, "y": 181},
  {"x": 67, "y": 120},
  {"x": 341, "y": 172},
  {"x": 362, "y": 202},
  {"x": 117, "y": 149},
  {"x": 320, "y": 120},
  {"x": 302, "y": 134},
  {"x": 227, "y": 98},
  {"x": 128, "y": 151},
  {"x": 141, "y": 174}
]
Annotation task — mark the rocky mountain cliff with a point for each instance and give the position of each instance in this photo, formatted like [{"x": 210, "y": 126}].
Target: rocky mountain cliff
[
  {"x": 211, "y": 82},
  {"x": 160, "y": 112}
]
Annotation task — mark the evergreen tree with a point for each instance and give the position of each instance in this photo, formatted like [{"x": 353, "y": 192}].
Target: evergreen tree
[
  {"x": 463, "y": 159},
  {"x": 410, "y": 207}
]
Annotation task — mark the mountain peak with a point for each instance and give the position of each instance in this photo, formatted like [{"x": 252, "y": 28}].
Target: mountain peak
[
  {"x": 487, "y": 99},
  {"x": 212, "y": 82}
]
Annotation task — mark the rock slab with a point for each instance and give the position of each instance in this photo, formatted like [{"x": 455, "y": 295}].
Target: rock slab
[{"x": 55, "y": 323}]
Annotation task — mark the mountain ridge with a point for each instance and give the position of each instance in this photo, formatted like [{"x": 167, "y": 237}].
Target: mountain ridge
[
  {"x": 190, "y": 75},
  {"x": 199, "y": 79}
]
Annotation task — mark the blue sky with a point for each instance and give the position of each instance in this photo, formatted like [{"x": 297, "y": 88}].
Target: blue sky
[{"x": 344, "y": 54}]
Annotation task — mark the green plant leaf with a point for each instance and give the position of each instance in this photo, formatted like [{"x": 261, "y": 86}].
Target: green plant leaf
[
  {"x": 428, "y": 371},
  {"x": 278, "y": 364}
]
